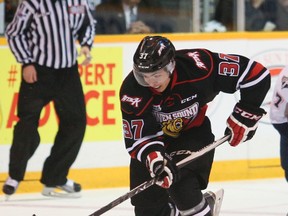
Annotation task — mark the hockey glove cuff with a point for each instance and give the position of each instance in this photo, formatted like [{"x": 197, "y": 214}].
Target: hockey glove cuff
[
  {"x": 163, "y": 168},
  {"x": 242, "y": 123}
]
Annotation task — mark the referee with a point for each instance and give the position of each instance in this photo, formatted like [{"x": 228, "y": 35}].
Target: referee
[{"x": 42, "y": 37}]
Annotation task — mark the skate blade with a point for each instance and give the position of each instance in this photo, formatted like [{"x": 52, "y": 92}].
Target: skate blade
[
  {"x": 49, "y": 192},
  {"x": 218, "y": 201}
]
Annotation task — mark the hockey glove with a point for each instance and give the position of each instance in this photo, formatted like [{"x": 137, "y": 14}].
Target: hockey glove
[
  {"x": 163, "y": 168},
  {"x": 242, "y": 123}
]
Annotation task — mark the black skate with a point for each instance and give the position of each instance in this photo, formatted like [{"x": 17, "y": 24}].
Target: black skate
[{"x": 10, "y": 186}]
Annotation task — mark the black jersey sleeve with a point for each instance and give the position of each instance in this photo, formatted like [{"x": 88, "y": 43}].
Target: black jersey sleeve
[
  {"x": 142, "y": 134},
  {"x": 235, "y": 72}
]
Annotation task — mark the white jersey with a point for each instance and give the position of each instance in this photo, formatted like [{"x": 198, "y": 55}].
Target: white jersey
[{"x": 280, "y": 98}]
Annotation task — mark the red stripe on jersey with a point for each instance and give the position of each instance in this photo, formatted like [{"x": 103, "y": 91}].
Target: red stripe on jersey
[
  {"x": 257, "y": 69},
  {"x": 174, "y": 78},
  {"x": 152, "y": 156},
  {"x": 145, "y": 107},
  {"x": 135, "y": 151},
  {"x": 199, "y": 118}
]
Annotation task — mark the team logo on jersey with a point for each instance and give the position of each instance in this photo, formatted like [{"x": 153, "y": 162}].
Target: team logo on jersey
[
  {"x": 172, "y": 127},
  {"x": 187, "y": 113},
  {"x": 134, "y": 101},
  {"x": 173, "y": 122},
  {"x": 284, "y": 82},
  {"x": 196, "y": 57}
]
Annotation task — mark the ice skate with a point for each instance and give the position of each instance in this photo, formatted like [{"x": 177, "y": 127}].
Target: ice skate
[
  {"x": 10, "y": 187},
  {"x": 70, "y": 190},
  {"x": 215, "y": 201}
]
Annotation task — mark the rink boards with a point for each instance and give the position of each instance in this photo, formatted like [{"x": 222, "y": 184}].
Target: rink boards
[{"x": 103, "y": 160}]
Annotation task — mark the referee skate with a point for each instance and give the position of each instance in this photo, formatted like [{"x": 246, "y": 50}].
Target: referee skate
[{"x": 69, "y": 190}]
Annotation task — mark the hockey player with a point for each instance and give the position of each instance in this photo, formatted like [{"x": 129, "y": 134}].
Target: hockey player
[
  {"x": 163, "y": 103},
  {"x": 279, "y": 116}
]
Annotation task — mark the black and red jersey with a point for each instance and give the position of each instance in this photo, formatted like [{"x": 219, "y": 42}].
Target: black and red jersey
[{"x": 199, "y": 75}]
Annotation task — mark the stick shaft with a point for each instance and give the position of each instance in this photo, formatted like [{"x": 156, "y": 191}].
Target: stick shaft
[
  {"x": 199, "y": 153},
  {"x": 124, "y": 197}
]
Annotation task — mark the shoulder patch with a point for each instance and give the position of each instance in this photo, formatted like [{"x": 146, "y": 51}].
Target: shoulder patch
[
  {"x": 133, "y": 101},
  {"x": 197, "y": 58}
]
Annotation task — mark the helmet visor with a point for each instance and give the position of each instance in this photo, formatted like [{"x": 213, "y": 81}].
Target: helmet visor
[{"x": 144, "y": 78}]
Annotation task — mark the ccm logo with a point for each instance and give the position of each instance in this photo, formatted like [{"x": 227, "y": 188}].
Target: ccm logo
[
  {"x": 247, "y": 114},
  {"x": 188, "y": 99}
]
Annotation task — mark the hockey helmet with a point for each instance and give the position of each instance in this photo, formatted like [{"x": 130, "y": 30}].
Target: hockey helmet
[{"x": 153, "y": 54}]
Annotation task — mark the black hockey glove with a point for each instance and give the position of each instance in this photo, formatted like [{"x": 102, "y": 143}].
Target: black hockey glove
[
  {"x": 163, "y": 168},
  {"x": 242, "y": 123}
]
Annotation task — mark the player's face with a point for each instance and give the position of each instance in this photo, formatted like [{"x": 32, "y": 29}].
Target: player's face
[{"x": 158, "y": 80}]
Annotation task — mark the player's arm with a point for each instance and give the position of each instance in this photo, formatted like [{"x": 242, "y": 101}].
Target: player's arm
[
  {"x": 142, "y": 135},
  {"x": 252, "y": 79},
  {"x": 87, "y": 31},
  {"x": 16, "y": 32},
  {"x": 140, "y": 138},
  {"x": 144, "y": 141},
  {"x": 147, "y": 146}
]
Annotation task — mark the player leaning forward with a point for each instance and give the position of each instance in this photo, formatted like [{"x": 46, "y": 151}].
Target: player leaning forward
[{"x": 164, "y": 101}]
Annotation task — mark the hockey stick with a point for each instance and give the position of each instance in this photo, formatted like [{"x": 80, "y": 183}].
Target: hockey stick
[{"x": 147, "y": 184}]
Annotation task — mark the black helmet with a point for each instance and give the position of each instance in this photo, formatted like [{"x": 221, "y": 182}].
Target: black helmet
[{"x": 152, "y": 54}]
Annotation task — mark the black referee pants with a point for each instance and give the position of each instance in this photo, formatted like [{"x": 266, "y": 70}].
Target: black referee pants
[{"x": 64, "y": 88}]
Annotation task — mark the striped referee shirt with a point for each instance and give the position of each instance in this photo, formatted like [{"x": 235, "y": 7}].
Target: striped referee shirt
[{"x": 45, "y": 31}]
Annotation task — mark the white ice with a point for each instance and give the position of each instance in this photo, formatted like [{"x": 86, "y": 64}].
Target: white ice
[{"x": 268, "y": 197}]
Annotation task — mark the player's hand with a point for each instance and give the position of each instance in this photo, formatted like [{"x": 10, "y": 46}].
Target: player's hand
[
  {"x": 163, "y": 168},
  {"x": 242, "y": 123},
  {"x": 86, "y": 52},
  {"x": 29, "y": 73}
]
